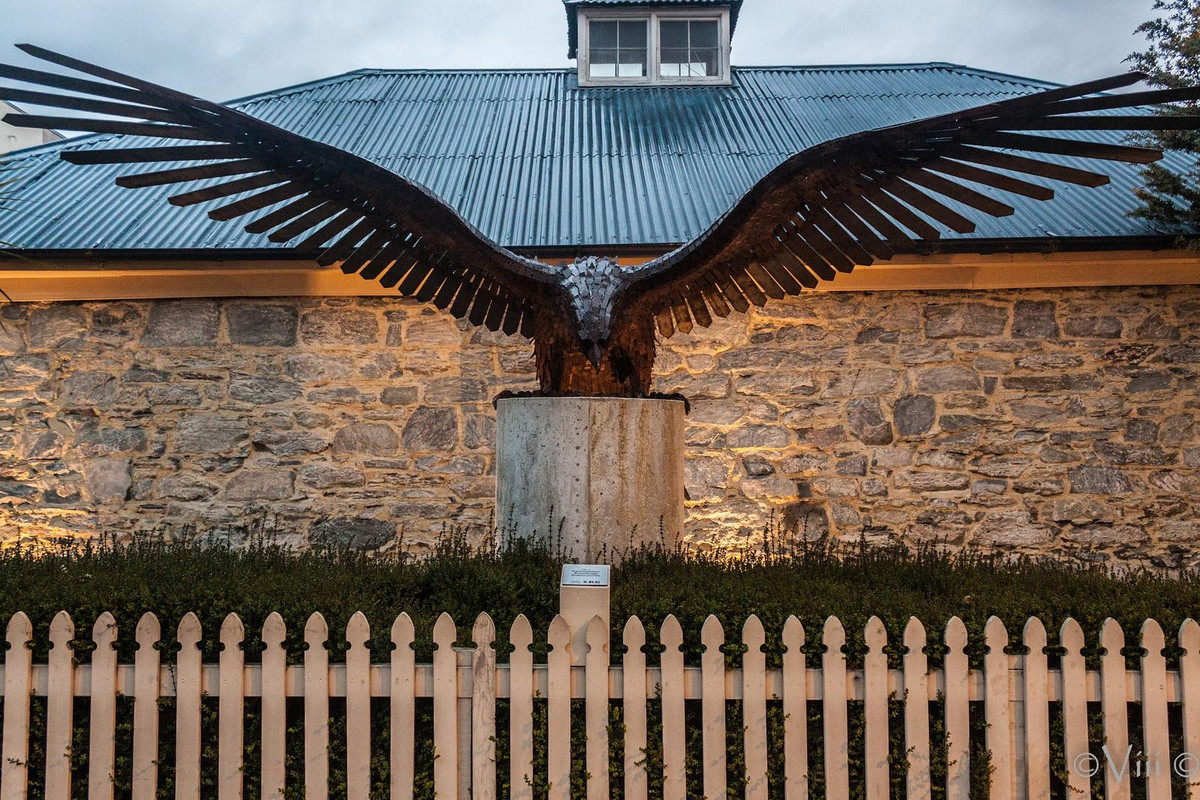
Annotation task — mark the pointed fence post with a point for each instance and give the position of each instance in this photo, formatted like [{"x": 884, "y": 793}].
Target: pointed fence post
[
  {"x": 187, "y": 709},
  {"x": 358, "y": 708},
  {"x": 18, "y": 687},
  {"x": 916, "y": 711},
  {"x": 231, "y": 709},
  {"x": 316, "y": 709},
  {"x": 1114, "y": 705},
  {"x": 957, "y": 712},
  {"x": 754, "y": 707},
  {"x": 145, "y": 709},
  {"x": 633, "y": 676},
  {"x": 674, "y": 733},
  {"x": 795, "y": 712},
  {"x": 996, "y": 709},
  {"x": 1037, "y": 711},
  {"x": 445, "y": 709},
  {"x": 558, "y": 710},
  {"x": 60, "y": 707},
  {"x": 1189, "y": 677},
  {"x": 837, "y": 742},
  {"x": 483, "y": 710},
  {"x": 403, "y": 707},
  {"x": 1074, "y": 706},
  {"x": 1154, "y": 712},
  {"x": 102, "y": 721},
  {"x": 875, "y": 709},
  {"x": 520, "y": 710},
  {"x": 274, "y": 707},
  {"x": 596, "y": 708},
  {"x": 712, "y": 671}
]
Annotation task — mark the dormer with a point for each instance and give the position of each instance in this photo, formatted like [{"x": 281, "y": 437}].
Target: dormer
[{"x": 651, "y": 42}]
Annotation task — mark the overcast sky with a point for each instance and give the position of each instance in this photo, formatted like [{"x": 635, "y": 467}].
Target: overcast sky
[{"x": 222, "y": 49}]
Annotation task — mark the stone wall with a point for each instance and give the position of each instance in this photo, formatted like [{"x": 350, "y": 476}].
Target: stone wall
[{"x": 1035, "y": 421}]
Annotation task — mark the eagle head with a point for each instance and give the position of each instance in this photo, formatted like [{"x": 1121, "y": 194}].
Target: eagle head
[{"x": 592, "y": 285}]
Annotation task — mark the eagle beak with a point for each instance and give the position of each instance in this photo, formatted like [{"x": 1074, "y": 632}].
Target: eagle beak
[{"x": 594, "y": 352}]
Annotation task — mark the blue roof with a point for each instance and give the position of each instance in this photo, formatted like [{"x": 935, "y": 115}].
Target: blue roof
[{"x": 534, "y": 161}]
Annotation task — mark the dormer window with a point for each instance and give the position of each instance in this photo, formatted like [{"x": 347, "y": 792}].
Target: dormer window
[{"x": 638, "y": 43}]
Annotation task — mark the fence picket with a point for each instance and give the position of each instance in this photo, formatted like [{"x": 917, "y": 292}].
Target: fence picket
[
  {"x": 558, "y": 711},
  {"x": 102, "y": 712},
  {"x": 1154, "y": 712},
  {"x": 231, "y": 709},
  {"x": 60, "y": 707},
  {"x": 358, "y": 708},
  {"x": 483, "y": 710},
  {"x": 187, "y": 709},
  {"x": 1074, "y": 705},
  {"x": 18, "y": 687},
  {"x": 875, "y": 710},
  {"x": 957, "y": 712},
  {"x": 837, "y": 742},
  {"x": 445, "y": 709},
  {"x": 403, "y": 708},
  {"x": 712, "y": 707},
  {"x": 754, "y": 707},
  {"x": 997, "y": 712},
  {"x": 795, "y": 712},
  {"x": 520, "y": 710},
  {"x": 274, "y": 707},
  {"x": 596, "y": 709},
  {"x": 633, "y": 677},
  {"x": 674, "y": 734},
  {"x": 316, "y": 709},
  {"x": 1114, "y": 705},
  {"x": 145, "y": 709},
  {"x": 1037, "y": 711},
  {"x": 916, "y": 711},
  {"x": 1189, "y": 679}
]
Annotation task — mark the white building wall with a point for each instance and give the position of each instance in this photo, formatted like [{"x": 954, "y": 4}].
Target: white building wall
[{"x": 12, "y": 138}]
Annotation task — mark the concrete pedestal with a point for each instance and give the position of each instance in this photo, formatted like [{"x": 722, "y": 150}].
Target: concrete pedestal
[{"x": 590, "y": 475}]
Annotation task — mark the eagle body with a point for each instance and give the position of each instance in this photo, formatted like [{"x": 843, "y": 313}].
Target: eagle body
[{"x": 624, "y": 368}]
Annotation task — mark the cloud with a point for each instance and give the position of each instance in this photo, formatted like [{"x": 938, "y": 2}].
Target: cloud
[{"x": 224, "y": 49}]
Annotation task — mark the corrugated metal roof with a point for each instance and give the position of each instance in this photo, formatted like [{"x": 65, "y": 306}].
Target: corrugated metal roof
[
  {"x": 532, "y": 160},
  {"x": 735, "y": 8}
]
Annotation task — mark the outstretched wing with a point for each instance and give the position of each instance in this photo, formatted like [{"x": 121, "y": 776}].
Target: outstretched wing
[
  {"x": 869, "y": 196},
  {"x": 334, "y": 205}
]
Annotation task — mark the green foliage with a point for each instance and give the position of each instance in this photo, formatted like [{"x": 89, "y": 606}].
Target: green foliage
[
  {"x": 780, "y": 579},
  {"x": 1172, "y": 60}
]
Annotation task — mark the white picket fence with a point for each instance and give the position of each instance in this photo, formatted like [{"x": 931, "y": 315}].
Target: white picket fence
[{"x": 1016, "y": 693}]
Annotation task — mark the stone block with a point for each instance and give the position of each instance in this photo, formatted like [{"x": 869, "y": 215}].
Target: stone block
[
  {"x": 262, "y": 324},
  {"x": 182, "y": 323},
  {"x": 372, "y": 438}
]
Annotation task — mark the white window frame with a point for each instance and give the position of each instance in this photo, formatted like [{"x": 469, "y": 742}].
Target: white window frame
[{"x": 653, "y": 17}]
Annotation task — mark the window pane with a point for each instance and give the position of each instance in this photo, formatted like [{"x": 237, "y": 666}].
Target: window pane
[
  {"x": 633, "y": 64},
  {"x": 603, "y": 63},
  {"x": 704, "y": 63},
  {"x": 704, "y": 34},
  {"x": 673, "y": 34},
  {"x": 605, "y": 70},
  {"x": 633, "y": 34},
  {"x": 673, "y": 63},
  {"x": 602, "y": 34}
]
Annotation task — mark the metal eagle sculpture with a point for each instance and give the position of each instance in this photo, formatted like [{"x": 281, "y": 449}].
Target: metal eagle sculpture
[{"x": 840, "y": 205}]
